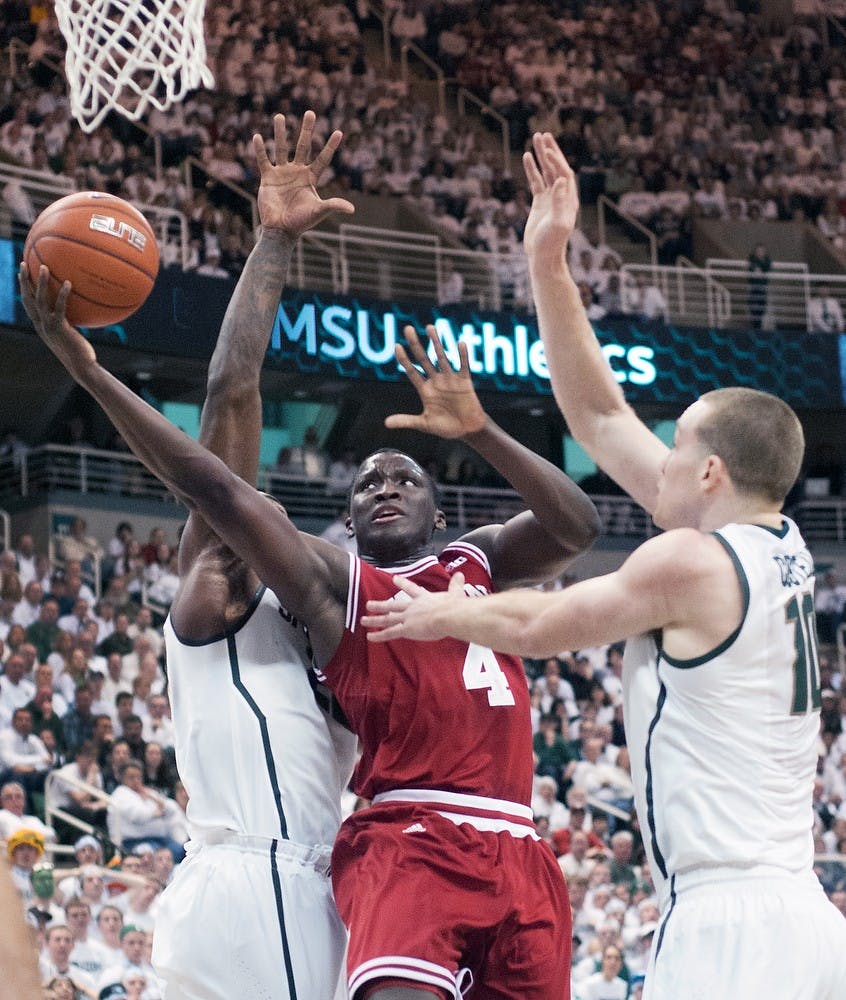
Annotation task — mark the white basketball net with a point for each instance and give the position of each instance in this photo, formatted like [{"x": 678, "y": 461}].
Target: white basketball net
[{"x": 129, "y": 54}]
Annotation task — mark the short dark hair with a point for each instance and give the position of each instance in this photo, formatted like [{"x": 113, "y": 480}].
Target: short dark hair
[
  {"x": 758, "y": 437},
  {"x": 132, "y": 763}
]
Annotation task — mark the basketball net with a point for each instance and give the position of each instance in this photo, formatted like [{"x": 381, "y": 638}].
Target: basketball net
[{"x": 128, "y": 55}]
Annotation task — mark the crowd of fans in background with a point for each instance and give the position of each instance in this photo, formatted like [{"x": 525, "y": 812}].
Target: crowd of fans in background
[
  {"x": 85, "y": 728},
  {"x": 672, "y": 110}
]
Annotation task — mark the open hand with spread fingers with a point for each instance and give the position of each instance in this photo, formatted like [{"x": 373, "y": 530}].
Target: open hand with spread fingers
[
  {"x": 451, "y": 408},
  {"x": 287, "y": 197}
]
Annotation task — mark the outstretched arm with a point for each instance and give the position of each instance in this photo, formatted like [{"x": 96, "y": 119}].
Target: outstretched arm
[
  {"x": 585, "y": 389},
  {"x": 561, "y": 522},
  {"x": 289, "y": 205},
  {"x": 669, "y": 583},
  {"x": 308, "y": 575}
]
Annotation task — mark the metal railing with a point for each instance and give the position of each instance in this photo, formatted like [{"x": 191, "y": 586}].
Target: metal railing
[
  {"x": 91, "y": 471},
  {"x": 170, "y": 226},
  {"x": 52, "y": 811},
  {"x": 92, "y": 566},
  {"x": 387, "y": 264},
  {"x": 821, "y": 519},
  {"x": 409, "y": 48},
  {"x": 605, "y": 207},
  {"x": 41, "y": 186},
  {"x": 241, "y": 196},
  {"x": 391, "y": 264},
  {"x": 462, "y": 97},
  {"x": 716, "y": 296}
]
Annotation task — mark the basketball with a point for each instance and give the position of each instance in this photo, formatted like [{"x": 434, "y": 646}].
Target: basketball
[{"x": 104, "y": 247}]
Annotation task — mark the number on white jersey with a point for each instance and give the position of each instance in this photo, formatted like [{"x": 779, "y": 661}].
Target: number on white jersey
[
  {"x": 482, "y": 670},
  {"x": 806, "y": 667}
]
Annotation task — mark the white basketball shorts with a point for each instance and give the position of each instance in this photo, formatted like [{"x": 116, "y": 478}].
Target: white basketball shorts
[
  {"x": 250, "y": 918},
  {"x": 737, "y": 935}
]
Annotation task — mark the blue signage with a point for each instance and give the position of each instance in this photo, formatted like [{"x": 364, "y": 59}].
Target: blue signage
[{"x": 353, "y": 337}]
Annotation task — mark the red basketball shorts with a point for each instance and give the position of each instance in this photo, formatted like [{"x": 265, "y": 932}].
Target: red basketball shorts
[{"x": 424, "y": 898}]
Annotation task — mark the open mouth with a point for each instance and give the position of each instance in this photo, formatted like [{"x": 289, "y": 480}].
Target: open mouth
[{"x": 386, "y": 514}]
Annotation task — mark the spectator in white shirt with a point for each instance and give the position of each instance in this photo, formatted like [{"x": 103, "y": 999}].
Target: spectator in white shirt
[
  {"x": 133, "y": 942},
  {"x": 78, "y": 618},
  {"x": 27, "y": 610},
  {"x": 114, "y": 683},
  {"x": 78, "y": 801},
  {"x": 143, "y": 625},
  {"x": 23, "y": 757},
  {"x": 87, "y": 954},
  {"x": 27, "y": 558},
  {"x": 109, "y": 923},
  {"x": 16, "y": 690},
  {"x": 104, "y": 618},
  {"x": 644, "y": 299},
  {"x": 55, "y": 961},
  {"x": 545, "y": 803},
  {"x": 13, "y": 817},
  {"x": 158, "y": 726},
  {"x": 137, "y": 814},
  {"x": 575, "y": 863},
  {"x": 824, "y": 312},
  {"x": 451, "y": 288}
]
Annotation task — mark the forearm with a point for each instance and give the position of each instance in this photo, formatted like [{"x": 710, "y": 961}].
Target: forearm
[
  {"x": 586, "y": 391},
  {"x": 242, "y": 342},
  {"x": 562, "y": 509},
  {"x": 504, "y": 622},
  {"x": 582, "y": 381}
]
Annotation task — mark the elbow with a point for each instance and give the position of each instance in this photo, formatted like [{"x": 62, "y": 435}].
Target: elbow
[
  {"x": 582, "y": 528},
  {"x": 587, "y": 529}
]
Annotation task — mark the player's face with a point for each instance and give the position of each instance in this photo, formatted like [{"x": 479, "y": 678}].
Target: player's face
[
  {"x": 392, "y": 508},
  {"x": 679, "y": 489}
]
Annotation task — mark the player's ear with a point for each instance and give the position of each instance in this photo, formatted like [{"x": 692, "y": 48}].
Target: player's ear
[
  {"x": 714, "y": 473},
  {"x": 440, "y": 521},
  {"x": 349, "y": 526}
]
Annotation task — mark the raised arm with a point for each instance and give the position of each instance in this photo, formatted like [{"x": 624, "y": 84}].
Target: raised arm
[
  {"x": 561, "y": 522},
  {"x": 585, "y": 389},
  {"x": 308, "y": 575},
  {"x": 289, "y": 205}
]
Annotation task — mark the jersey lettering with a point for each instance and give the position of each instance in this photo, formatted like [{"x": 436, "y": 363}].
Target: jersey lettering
[
  {"x": 482, "y": 670},
  {"x": 806, "y": 668}
]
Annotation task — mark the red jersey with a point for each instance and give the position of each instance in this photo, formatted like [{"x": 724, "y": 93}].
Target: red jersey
[{"x": 440, "y": 715}]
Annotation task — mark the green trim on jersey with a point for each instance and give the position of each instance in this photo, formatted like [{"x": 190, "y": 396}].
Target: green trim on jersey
[
  {"x": 697, "y": 661},
  {"x": 778, "y": 532},
  {"x": 233, "y": 628}
]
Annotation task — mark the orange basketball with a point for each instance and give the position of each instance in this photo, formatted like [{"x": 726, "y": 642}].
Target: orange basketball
[{"x": 104, "y": 247}]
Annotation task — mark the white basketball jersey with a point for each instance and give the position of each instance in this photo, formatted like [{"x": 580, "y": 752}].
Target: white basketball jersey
[
  {"x": 257, "y": 754},
  {"x": 724, "y": 746}
]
